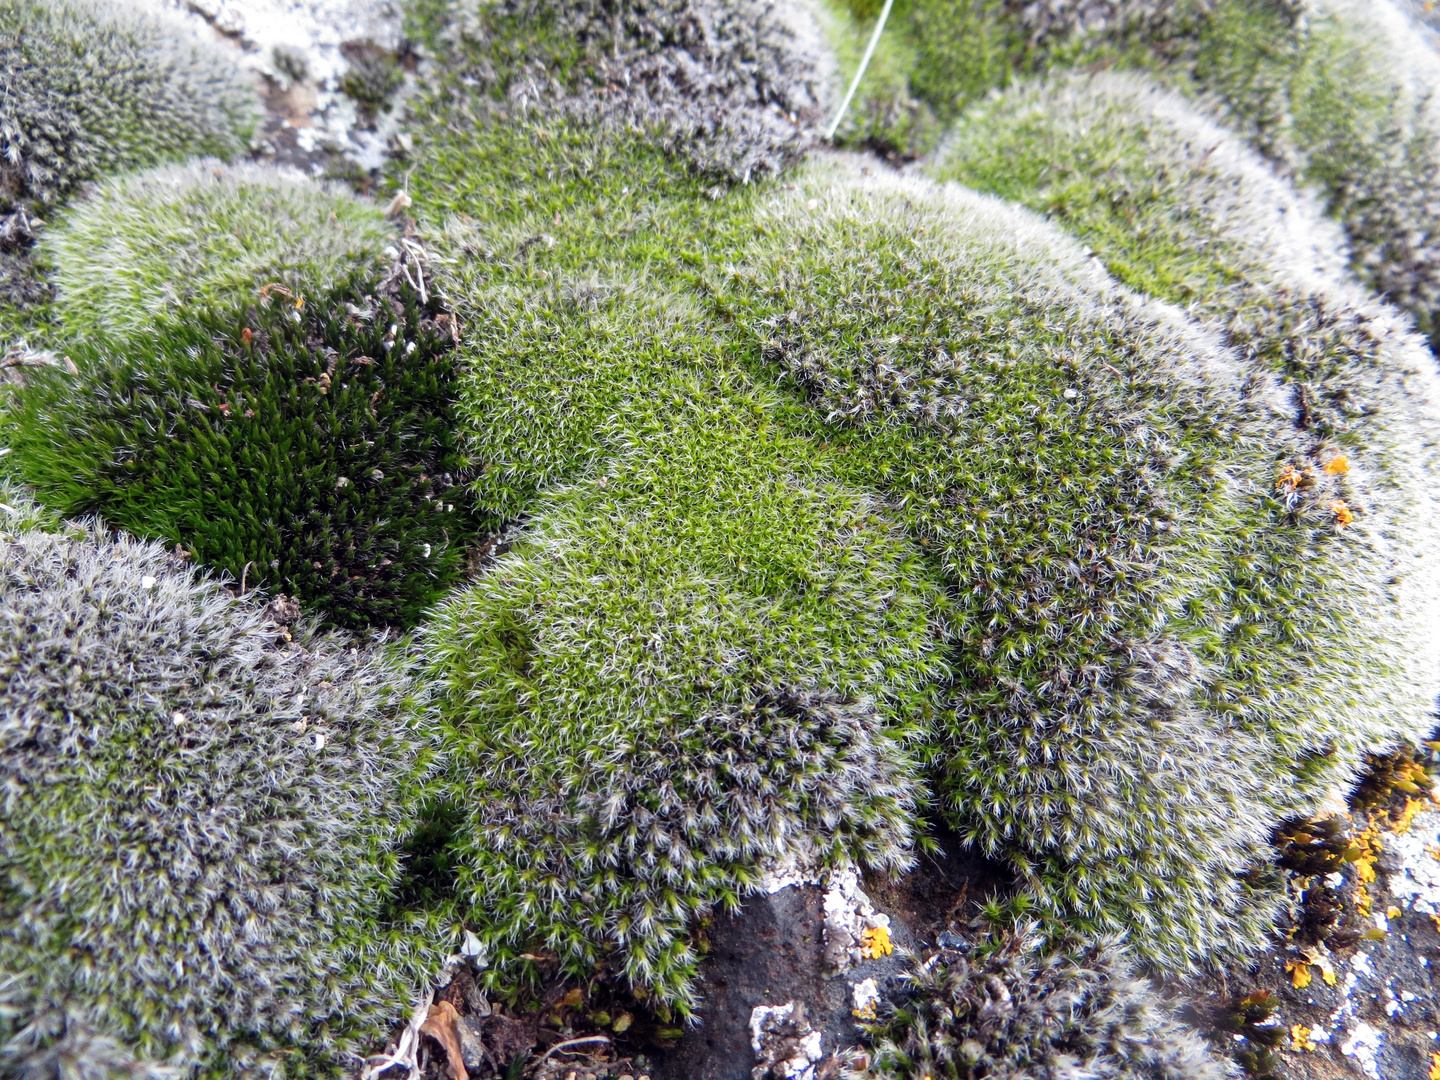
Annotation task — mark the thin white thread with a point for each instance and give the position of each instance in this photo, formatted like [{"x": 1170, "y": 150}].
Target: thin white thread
[{"x": 860, "y": 71}]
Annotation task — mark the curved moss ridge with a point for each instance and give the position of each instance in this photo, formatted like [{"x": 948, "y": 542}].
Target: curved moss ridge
[
  {"x": 1339, "y": 92},
  {"x": 199, "y": 823},
  {"x": 1180, "y": 208},
  {"x": 307, "y": 445},
  {"x": 98, "y": 86},
  {"x": 203, "y": 234},
  {"x": 698, "y": 660},
  {"x": 1017, "y": 1009},
  {"x": 1074, "y": 459},
  {"x": 729, "y": 86}
]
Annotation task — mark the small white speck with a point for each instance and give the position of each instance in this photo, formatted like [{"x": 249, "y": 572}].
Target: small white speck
[
  {"x": 1071, "y": 393},
  {"x": 147, "y": 582},
  {"x": 427, "y": 551},
  {"x": 178, "y": 718},
  {"x": 319, "y": 740},
  {"x": 342, "y": 481},
  {"x": 814, "y": 204}
]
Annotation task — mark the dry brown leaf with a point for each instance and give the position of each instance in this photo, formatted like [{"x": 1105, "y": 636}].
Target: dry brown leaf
[{"x": 443, "y": 1025}]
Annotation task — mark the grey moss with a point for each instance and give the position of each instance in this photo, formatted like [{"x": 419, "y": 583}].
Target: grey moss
[
  {"x": 1067, "y": 453},
  {"x": 725, "y": 84},
  {"x": 203, "y": 235},
  {"x": 199, "y": 820},
  {"x": 1018, "y": 1010},
  {"x": 1177, "y": 206},
  {"x": 98, "y": 86}
]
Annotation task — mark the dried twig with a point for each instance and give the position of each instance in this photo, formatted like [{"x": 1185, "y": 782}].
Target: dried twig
[
  {"x": 407, "y": 1047},
  {"x": 567, "y": 1043}
]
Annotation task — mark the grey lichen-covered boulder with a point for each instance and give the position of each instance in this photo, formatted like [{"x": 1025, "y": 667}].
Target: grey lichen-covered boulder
[
  {"x": 198, "y": 820},
  {"x": 97, "y": 86}
]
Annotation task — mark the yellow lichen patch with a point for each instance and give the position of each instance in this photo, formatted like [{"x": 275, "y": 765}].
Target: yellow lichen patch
[
  {"x": 1393, "y": 912},
  {"x": 1407, "y": 816},
  {"x": 1290, "y": 479},
  {"x": 1435, "y": 1067},
  {"x": 875, "y": 942},
  {"x": 1363, "y": 851},
  {"x": 1300, "y": 1038},
  {"x": 1343, "y": 514},
  {"x": 1338, "y": 466},
  {"x": 1299, "y": 972},
  {"x": 1363, "y": 899},
  {"x": 1312, "y": 957}
]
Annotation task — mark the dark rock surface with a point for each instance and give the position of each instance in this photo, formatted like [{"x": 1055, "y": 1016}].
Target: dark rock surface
[{"x": 770, "y": 952}]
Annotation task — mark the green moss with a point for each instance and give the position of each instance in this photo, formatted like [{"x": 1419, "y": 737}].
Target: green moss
[
  {"x": 312, "y": 452},
  {"x": 203, "y": 235},
  {"x": 1130, "y": 609},
  {"x": 994, "y": 389},
  {"x": 96, "y": 87}
]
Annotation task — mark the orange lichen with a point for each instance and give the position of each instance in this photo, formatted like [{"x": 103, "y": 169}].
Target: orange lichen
[
  {"x": 1300, "y": 1038},
  {"x": 875, "y": 942},
  {"x": 1338, "y": 466},
  {"x": 1343, "y": 514}
]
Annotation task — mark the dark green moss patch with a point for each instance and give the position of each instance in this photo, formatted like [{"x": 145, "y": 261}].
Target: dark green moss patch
[{"x": 308, "y": 446}]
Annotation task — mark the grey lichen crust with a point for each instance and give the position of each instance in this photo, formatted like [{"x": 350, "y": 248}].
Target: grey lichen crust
[
  {"x": 722, "y": 84},
  {"x": 198, "y": 819},
  {"x": 1017, "y": 1010},
  {"x": 99, "y": 86}
]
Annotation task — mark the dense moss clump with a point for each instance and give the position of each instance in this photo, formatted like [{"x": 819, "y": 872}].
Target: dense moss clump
[
  {"x": 1170, "y": 614},
  {"x": 202, "y": 235},
  {"x": 198, "y": 819},
  {"x": 697, "y": 660},
  {"x": 307, "y": 445},
  {"x": 1068, "y": 455},
  {"x": 720, "y": 83},
  {"x": 94, "y": 86},
  {"x": 1015, "y": 1009},
  {"x": 1180, "y": 208}
]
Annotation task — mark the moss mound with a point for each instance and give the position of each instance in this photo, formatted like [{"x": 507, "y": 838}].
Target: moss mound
[
  {"x": 1018, "y": 1009},
  {"x": 1179, "y": 207},
  {"x": 199, "y": 821},
  {"x": 99, "y": 87},
  {"x": 1067, "y": 454},
  {"x": 203, "y": 235},
  {"x": 1133, "y": 612},
  {"x": 305, "y": 445},
  {"x": 699, "y": 659},
  {"x": 720, "y": 83}
]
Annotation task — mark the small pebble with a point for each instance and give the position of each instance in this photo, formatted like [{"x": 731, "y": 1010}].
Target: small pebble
[
  {"x": 147, "y": 582},
  {"x": 1071, "y": 392}
]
